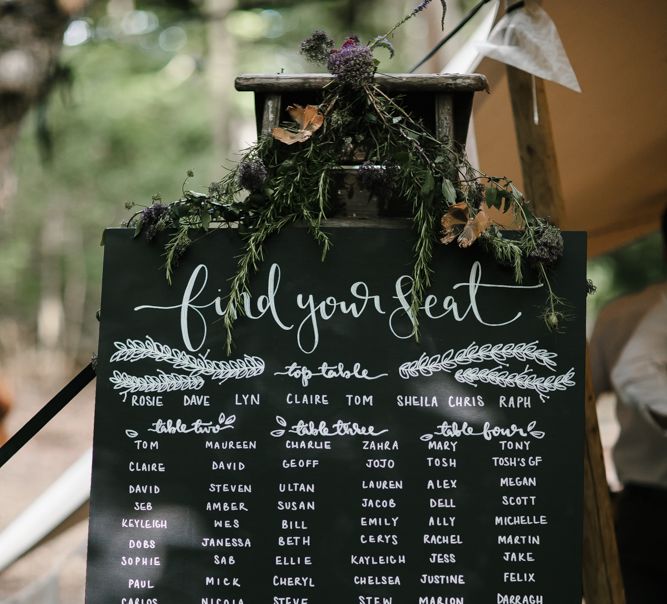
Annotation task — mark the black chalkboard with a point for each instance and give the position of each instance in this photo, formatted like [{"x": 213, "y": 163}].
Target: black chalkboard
[{"x": 332, "y": 458}]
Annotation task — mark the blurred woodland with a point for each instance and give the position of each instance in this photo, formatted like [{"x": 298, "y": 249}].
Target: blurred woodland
[{"x": 125, "y": 96}]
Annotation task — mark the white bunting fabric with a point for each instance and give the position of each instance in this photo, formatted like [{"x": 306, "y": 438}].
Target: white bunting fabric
[{"x": 527, "y": 38}]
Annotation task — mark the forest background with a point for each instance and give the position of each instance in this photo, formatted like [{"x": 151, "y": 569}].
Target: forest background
[{"x": 142, "y": 93}]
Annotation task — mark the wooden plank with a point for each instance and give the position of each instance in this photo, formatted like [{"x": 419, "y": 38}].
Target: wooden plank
[
  {"x": 444, "y": 117},
  {"x": 536, "y": 146},
  {"x": 462, "y": 111},
  {"x": 601, "y": 568},
  {"x": 432, "y": 82},
  {"x": 270, "y": 113},
  {"x": 386, "y": 223},
  {"x": 444, "y": 123}
]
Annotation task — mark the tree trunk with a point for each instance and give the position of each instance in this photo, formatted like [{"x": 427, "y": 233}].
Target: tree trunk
[{"x": 31, "y": 34}]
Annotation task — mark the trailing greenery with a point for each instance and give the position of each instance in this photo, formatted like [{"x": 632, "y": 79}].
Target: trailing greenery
[{"x": 405, "y": 168}]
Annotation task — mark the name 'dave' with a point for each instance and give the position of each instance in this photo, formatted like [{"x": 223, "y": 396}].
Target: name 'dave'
[{"x": 194, "y": 310}]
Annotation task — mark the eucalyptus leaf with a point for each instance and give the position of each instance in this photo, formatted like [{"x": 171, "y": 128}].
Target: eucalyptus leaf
[
  {"x": 516, "y": 194},
  {"x": 505, "y": 202},
  {"x": 205, "y": 219},
  {"x": 448, "y": 192},
  {"x": 492, "y": 197},
  {"x": 137, "y": 227},
  {"x": 178, "y": 210},
  {"x": 429, "y": 185}
]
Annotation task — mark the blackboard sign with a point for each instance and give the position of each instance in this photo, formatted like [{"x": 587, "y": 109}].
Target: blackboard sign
[{"x": 333, "y": 458}]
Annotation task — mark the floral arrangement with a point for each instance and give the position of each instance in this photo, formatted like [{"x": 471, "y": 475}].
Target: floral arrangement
[{"x": 290, "y": 175}]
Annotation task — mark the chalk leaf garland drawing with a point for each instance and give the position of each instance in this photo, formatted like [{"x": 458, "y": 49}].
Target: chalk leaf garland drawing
[
  {"x": 525, "y": 379},
  {"x": 196, "y": 366},
  {"x": 292, "y": 174},
  {"x": 500, "y": 355},
  {"x": 163, "y": 382}
]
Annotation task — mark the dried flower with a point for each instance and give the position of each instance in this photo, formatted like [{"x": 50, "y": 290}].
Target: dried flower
[
  {"x": 152, "y": 218},
  {"x": 353, "y": 63},
  {"x": 553, "y": 319},
  {"x": 317, "y": 46},
  {"x": 420, "y": 7},
  {"x": 548, "y": 245},
  {"x": 383, "y": 42},
  {"x": 252, "y": 174}
]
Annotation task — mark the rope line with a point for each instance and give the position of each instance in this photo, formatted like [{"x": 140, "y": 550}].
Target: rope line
[
  {"x": 46, "y": 414},
  {"x": 473, "y": 11}
]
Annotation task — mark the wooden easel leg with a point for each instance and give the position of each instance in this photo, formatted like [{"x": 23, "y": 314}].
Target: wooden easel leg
[
  {"x": 601, "y": 568},
  {"x": 536, "y": 145},
  {"x": 602, "y": 580}
]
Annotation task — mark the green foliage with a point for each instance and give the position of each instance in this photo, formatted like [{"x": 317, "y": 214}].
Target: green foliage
[
  {"x": 293, "y": 183},
  {"x": 132, "y": 123},
  {"x": 626, "y": 270},
  {"x": 109, "y": 141}
]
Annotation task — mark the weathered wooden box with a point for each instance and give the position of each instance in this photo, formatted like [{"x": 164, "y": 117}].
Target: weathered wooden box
[{"x": 441, "y": 102}]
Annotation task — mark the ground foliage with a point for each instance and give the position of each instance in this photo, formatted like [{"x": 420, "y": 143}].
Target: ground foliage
[{"x": 291, "y": 175}]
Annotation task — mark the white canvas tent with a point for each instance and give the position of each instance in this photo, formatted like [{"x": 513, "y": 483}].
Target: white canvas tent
[{"x": 610, "y": 139}]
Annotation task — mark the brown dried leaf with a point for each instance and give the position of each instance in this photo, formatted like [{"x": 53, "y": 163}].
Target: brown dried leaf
[
  {"x": 289, "y": 138},
  {"x": 473, "y": 229},
  {"x": 453, "y": 221},
  {"x": 309, "y": 117},
  {"x": 309, "y": 120}
]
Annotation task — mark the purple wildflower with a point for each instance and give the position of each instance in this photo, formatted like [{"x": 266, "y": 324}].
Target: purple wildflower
[
  {"x": 420, "y": 7},
  {"x": 353, "y": 63},
  {"x": 152, "y": 219},
  {"x": 317, "y": 46},
  {"x": 252, "y": 174},
  {"x": 548, "y": 245}
]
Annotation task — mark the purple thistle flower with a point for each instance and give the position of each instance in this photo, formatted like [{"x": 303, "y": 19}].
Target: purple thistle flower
[
  {"x": 353, "y": 63},
  {"x": 252, "y": 174}
]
